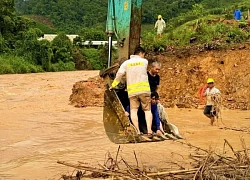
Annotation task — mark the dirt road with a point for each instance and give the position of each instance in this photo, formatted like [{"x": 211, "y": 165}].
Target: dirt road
[{"x": 39, "y": 127}]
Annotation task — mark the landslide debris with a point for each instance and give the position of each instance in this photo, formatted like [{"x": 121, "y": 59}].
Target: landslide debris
[
  {"x": 88, "y": 93},
  {"x": 183, "y": 73}
]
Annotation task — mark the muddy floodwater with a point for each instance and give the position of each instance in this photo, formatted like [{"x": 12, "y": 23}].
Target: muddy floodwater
[{"x": 38, "y": 127}]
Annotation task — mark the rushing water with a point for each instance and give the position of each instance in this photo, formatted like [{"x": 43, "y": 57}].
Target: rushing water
[{"x": 38, "y": 127}]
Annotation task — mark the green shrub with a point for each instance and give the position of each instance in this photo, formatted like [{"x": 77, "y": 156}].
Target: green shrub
[
  {"x": 182, "y": 36},
  {"x": 180, "y": 20},
  {"x": 243, "y": 23},
  {"x": 92, "y": 55},
  {"x": 6, "y": 69},
  {"x": 61, "y": 66},
  {"x": 93, "y": 34},
  {"x": 14, "y": 64},
  {"x": 206, "y": 31},
  {"x": 3, "y": 44},
  {"x": 151, "y": 42},
  {"x": 216, "y": 11},
  {"x": 62, "y": 49},
  {"x": 44, "y": 28},
  {"x": 147, "y": 41},
  {"x": 104, "y": 54},
  {"x": 198, "y": 10},
  {"x": 221, "y": 28},
  {"x": 236, "y": 35}
]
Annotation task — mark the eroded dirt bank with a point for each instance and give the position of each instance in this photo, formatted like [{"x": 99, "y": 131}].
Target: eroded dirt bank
[
  {"x": 39, "y": 126},
  {"x": 183, "y": 73}
]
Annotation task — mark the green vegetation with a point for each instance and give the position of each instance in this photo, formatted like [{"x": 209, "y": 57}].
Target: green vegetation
[
  {"x": 71, "y": 16},
  {"x": 10, "y": 64},
  {"x": 22, "y": 52},
  {"x": 199, "y": 31},
  {"x": 67, "y": 16},
  {"x": 44, "y": 28},
  {"x": 202, "y": 26},
  {"x": 206, "y": 23},
  {"x": 42, "y": 23}
]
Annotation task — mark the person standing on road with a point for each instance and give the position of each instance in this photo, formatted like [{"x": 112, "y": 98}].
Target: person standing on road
[
  {"x": 211, "y": 93},
  {"x": 160, "y": 25},
  {"x": 138, "y": 88}
]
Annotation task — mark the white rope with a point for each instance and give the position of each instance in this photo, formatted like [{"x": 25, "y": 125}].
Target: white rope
[{"x": 217, "y": 99}]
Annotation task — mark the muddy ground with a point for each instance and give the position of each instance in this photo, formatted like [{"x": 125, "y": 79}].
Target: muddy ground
[
  {"x": 183, "y": 73},
  {"x": 39, "y": 126}
]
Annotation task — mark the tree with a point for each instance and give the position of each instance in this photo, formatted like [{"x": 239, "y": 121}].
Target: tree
[
  {"x": 6, "y": 16},
  {"x": 62, "y": 49},
  {"x": 198, "y": 10},
  {"x": 29, "y": 46}
]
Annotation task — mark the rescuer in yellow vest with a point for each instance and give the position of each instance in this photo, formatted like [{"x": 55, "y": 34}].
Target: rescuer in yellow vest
[{"x": 138, "y": 88}]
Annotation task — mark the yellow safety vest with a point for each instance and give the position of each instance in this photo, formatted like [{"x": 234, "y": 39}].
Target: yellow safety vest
[{"x": 136, "y": 75}]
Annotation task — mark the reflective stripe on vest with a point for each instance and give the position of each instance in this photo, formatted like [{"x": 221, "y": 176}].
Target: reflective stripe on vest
[
  {"x": 115, "y": 83},
  {"x": 135, "y": 64},
  {"x": 138, "y": 87}
]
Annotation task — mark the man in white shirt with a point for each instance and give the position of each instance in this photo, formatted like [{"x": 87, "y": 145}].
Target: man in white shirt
[{"x": 211, "y": 93}]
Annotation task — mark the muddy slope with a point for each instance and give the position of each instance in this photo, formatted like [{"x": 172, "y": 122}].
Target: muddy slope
[{"x": 183, "y": 73}]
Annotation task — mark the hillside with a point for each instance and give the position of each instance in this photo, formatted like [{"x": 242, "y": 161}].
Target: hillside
[
  {"x": 43, "y": 23},
  {"x": 72, "y": 16},
  {"x": 183, "y": 73}
]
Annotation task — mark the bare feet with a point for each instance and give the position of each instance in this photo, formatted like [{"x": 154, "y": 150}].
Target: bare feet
[{"x": 159, "y": 132}]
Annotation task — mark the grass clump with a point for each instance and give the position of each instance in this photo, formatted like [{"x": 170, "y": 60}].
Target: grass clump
[{"x": 10, "y": 64}]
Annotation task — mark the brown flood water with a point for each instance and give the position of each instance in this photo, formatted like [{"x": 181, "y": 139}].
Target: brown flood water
[{"x": 38, "y": 127}]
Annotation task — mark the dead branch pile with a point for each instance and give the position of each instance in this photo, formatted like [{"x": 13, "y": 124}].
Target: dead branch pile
[{"x": 206, "y": 164}]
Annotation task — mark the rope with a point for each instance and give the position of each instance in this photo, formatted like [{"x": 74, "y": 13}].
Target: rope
[
  {"x": 217, "y": 99},
  {"x": 201, "y": 92}
]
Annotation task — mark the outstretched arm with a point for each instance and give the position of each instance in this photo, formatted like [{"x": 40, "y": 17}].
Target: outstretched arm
[{"x": 119, "y": 75}]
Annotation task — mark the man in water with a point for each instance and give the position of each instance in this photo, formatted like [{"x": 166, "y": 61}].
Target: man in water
[{"x": 211, "y": 93}]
